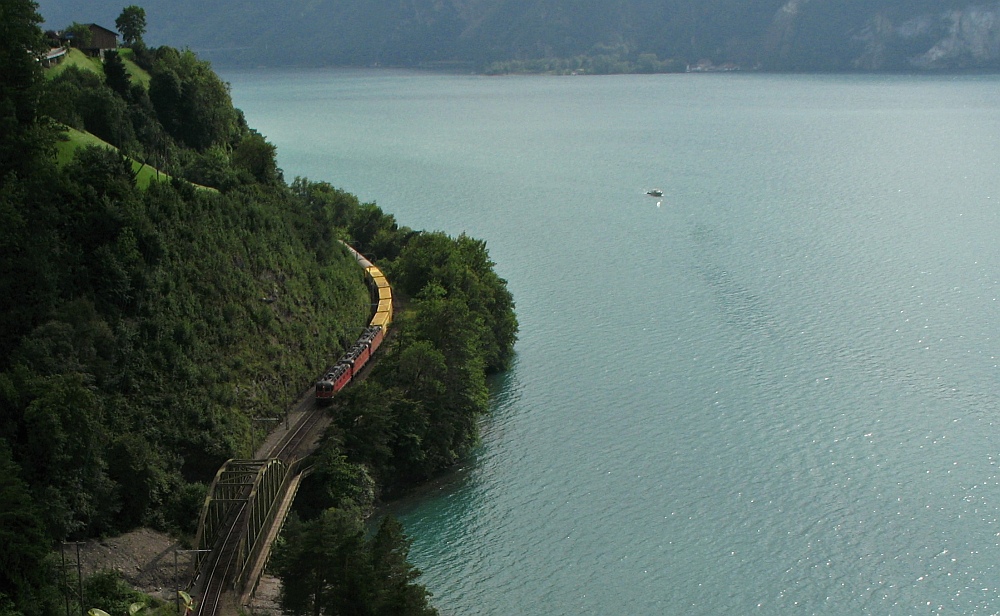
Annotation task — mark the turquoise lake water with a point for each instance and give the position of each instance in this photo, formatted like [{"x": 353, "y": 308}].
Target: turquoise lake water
[{"x": 774, "y": 390}]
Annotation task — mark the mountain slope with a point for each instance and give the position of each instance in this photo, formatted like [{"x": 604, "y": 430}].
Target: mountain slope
[{"x": 770, "y": 34}]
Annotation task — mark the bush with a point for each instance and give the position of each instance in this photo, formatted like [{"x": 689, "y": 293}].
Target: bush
[{"x": 109, "y": 591}]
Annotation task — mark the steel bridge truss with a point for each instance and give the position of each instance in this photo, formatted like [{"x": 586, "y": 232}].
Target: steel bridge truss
[{"x": 253, "y": 489}]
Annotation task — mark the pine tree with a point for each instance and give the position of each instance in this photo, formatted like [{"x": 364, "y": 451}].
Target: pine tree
[
  {"x": 398, "y": 594},
  {"x": 327, "y": 567},
  {"x": 115, "y": 74}
]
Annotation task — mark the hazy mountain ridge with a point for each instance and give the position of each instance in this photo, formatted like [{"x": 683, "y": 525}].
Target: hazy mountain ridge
[{"x": 770, "y": 34}]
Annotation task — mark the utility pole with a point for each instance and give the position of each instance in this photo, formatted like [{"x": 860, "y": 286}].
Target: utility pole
[{"x": 65, "y": 584}]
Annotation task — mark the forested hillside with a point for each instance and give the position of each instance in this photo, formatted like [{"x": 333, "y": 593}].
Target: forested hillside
[
  {"x": 585, "y": 36},
  {"x": 164, "y": 287}
]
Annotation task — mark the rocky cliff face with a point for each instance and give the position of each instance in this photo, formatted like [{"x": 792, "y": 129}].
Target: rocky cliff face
[
  {"x": 958, "y": 38},
  {"x": 972, "y": 39},
  {"x": 807, "y": 35}
]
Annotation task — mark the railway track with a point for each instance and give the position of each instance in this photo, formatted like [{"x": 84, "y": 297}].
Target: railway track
[
  {"x": 219, "y": 572},
  {"x": 224, "y": 566},
  {"x": 215, "y": 586},
  {"x": 300, "y": 440}
]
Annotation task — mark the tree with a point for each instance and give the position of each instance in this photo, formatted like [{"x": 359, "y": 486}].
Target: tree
[
  {"x": 115, "y": 74},
  {"x": 398, "y": 592},
  {"x": 320, "y": 564},
  {"x": 80, "y": 34},
  {"x": 21, "y": 44},
  {"x": 373, "y": 232},
  {"x": 327, "y": 567},
  {"x": 64, "y": 442},
  {"x": 464, "y": 269},
  {"x": 109, "y": 589},
  {"x": 191, "y": 102},
  {"x": 23, "y": 567},
  {"x": 335, "y": 482},
  {"x": 132, "y": 25},
  {"x": 257, "y": 156}
]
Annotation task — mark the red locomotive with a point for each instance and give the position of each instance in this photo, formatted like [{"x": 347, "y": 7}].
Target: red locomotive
[{"x": 371, "y": 338}]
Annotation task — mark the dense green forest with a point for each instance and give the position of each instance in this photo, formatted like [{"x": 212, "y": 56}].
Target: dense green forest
[
  {"x": 166, "y": 286},
  {"x": 586, "y": 36}
]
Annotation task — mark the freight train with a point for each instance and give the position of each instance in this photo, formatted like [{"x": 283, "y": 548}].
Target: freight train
[{"x": 371, "y": 338}]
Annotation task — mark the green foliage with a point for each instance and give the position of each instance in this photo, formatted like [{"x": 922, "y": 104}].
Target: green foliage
[
  {"x": 375, "y": 233},
  {"x": 83, "y": 100},
  {"x": 64, "y": 439},
  {"x": 80, "y": 35},
  {"x": 140, "y": 344},
  {"x": 211, "y": 168},
  {"x": 257, "y": 157},
  {"x": 24, "y": 569},
  {"x": 145, "y": 374},
  {"x": 182, "y": 507},
  {"x": 75, "y": 58},
  {"x": 106, "y": 116},
  {"x": 116, "y": 75},
  {"x": 132, "y": 25},
  {"x": 335, "y": 482},
  {"x": 328, "y": 567},
  {"x": 109, "y": 590},
  {"x": 21, "y": 43},
  {"x": 370, "y": 427},
  {"x": 319, "y": 563},
  {"x": 131, "y": 58},
  {"x": 186, "y": 106},
  {"x": 398, "y": 593},
  {"x": 28, "y": 274},
  {"x": 149, "y": 487},
  {"x": 419, "y": 412},
  {"x": 330, "y": 210},
  {"x": 447, "y": 397},
  {"x": 191, "y": 102},
  {"x": 144, "y": 327},
  {"x": 462, "y": 268}
]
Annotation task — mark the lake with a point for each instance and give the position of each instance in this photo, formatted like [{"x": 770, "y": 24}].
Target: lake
[{"x": 772, "y": 390}]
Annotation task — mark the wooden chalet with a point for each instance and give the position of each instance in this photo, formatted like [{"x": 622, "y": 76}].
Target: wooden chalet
[{"x": 101, "y": 40}]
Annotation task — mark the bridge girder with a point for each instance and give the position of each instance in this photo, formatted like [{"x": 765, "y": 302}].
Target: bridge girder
[{"x": 255, "y": 483}]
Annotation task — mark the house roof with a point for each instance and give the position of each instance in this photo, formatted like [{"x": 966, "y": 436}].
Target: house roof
[{"x": 97, "y": 27}]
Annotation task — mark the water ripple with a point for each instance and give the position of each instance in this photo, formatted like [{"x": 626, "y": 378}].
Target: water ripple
[{"x": 773, "y": 394}]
